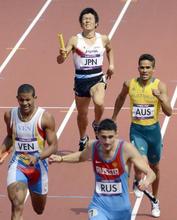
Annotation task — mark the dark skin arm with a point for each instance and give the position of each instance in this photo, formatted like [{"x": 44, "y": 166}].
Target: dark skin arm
[
  {"x": 7, "y": 142},
  {"x": 162, "y": 96},
  {"x": 48, "y": 124},
  {"x": 120, "y": 100}
]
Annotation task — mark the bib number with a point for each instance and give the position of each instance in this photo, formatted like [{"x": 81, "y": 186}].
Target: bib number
[
  {"x": 143, "y": 112},
  {"x": 26, "y": 145},
  {"x": 108, "y": 188}
]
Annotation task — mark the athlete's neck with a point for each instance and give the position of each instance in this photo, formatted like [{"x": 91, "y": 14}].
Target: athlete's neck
[
  {"x": 26, "y": 116},
  {"x": 89, "y": 35}
]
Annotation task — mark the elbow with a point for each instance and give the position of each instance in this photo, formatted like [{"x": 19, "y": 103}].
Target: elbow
[{"x": 169, "y": 112}]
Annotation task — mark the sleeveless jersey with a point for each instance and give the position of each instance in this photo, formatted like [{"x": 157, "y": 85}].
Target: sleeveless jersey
[
  {"x": 111, "y": 184},
  {"x": 88, "y": 59},
  {"x": 28, "y": 137},
  {"x": 143, "y": 105}
]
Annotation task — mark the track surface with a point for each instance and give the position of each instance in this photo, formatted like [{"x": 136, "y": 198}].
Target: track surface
[{"x": 147, "y": 26}]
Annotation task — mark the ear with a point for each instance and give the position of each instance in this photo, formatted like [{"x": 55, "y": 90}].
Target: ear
[{"x": 96, "y": 25}]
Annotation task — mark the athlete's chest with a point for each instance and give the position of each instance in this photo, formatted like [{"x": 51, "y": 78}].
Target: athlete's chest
[{"x": 139, "y": 94}]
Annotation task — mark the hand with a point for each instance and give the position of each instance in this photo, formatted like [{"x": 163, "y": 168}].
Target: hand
[
  {"x": 63, "y": 52},
  {"x": 28, "y": 159},
  {"x": 55, "y": 159},
  {"x": 3, "y": 156},
  {"x": 143, "y": 184},
  {"x": 110, "y": 72},
  {"x": 156, "y": 93}
]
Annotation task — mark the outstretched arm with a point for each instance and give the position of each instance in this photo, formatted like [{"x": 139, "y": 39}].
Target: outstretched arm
[
  {"x": 75, "y": 157},
  {"x": 120, "y": 100}
]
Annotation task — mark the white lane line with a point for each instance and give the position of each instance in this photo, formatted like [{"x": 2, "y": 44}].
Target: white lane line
[
  {"x": 119, "y": 19},
  {"x": 17, "y": 46},
  {"x": 65, "y": 120},
  {"x": 72, "y": 107},
  {"x": 163, "y": 130},
  {"x": 66, "y": 107}
]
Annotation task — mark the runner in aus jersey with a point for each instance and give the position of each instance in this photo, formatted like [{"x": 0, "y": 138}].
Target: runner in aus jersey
[{"x": 147, "y": 96}]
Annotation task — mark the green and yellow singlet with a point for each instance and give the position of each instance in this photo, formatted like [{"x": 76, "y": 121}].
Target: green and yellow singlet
[{"x": 143, "y": 105}]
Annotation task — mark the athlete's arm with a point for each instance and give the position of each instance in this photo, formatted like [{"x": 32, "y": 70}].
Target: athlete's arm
[
  {"x": 48, "y": 124},
  {"x": 131, "y": 154},
  {"x": 7, "y": 142},
  {"x": 76, "y": 157},
  {"x": 65, "y": 52},
  {"x": 162, "y": 96},
  {"x": 109, "y": 54},
  {"x": 120, "y": 100}
]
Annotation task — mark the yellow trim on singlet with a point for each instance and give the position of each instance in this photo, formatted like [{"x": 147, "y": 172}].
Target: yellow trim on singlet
[{"x": 144, "y": 106}]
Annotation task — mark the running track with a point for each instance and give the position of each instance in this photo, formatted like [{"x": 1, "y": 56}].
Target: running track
[{"x": 28, "y": 53}]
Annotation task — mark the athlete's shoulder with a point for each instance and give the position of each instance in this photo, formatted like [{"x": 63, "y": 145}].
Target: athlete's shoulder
[
  {"x": 104, "y": 38},
  {"x": 128, "y": 82},
  {"x": 72, "y": 41}
]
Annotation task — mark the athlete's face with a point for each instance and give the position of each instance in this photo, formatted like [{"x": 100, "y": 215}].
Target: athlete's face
[
  {"x": 107, "y": 139},
  {"x": 146, "y": 70},
  {"x": 26, "y": 102},
  {"x": 88, "y": 22}
]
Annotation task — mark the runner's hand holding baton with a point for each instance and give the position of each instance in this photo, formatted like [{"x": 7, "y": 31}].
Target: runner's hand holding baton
[
  {"x": 147, "y": 193},
  {"x": 62, "y": 45}
]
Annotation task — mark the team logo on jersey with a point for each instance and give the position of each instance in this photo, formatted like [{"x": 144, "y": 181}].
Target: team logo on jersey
[{"x": 114, "y": 164}]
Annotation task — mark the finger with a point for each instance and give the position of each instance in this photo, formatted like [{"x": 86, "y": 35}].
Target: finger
[{"x": 4, "y": 156}]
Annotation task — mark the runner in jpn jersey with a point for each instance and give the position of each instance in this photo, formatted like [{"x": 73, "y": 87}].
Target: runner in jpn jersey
[
  {"x": 28, "y": 138},
  {"x": 111, "y": 197},
  {"x": 88, "y": 59}
]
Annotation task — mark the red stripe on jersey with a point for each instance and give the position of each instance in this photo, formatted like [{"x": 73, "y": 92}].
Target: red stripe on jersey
[
  {"x": 79, "y": 52},
  {"x": 108, "y": 170},
  {"x": 41, "y": 132}
]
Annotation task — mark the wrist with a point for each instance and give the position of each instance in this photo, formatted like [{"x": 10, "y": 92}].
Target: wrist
[{"x": 61, "y": 159}]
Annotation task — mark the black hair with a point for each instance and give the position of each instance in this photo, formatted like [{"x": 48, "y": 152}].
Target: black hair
[
  {"x": 147, "y": 57},
  {"x": 26, "y": 88},
  {"x": 89, "y": 11},
  {"x": 107, "y": 124}
]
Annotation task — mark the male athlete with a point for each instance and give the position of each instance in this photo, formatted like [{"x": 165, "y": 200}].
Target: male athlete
[
  {"x": 28, "y": 128},
  {"x": 147, "y": 94},
  {"x": 110, "y": 157},
  {"x": 88, "y": 50}
]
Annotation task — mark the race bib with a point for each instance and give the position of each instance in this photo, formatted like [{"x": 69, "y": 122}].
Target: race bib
[
  {"x": 26, "y": 145},
  {"x": 143, "y": 111},
  {"x": 108, "y": 188},
  {"x": 92, "y": 213}
]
